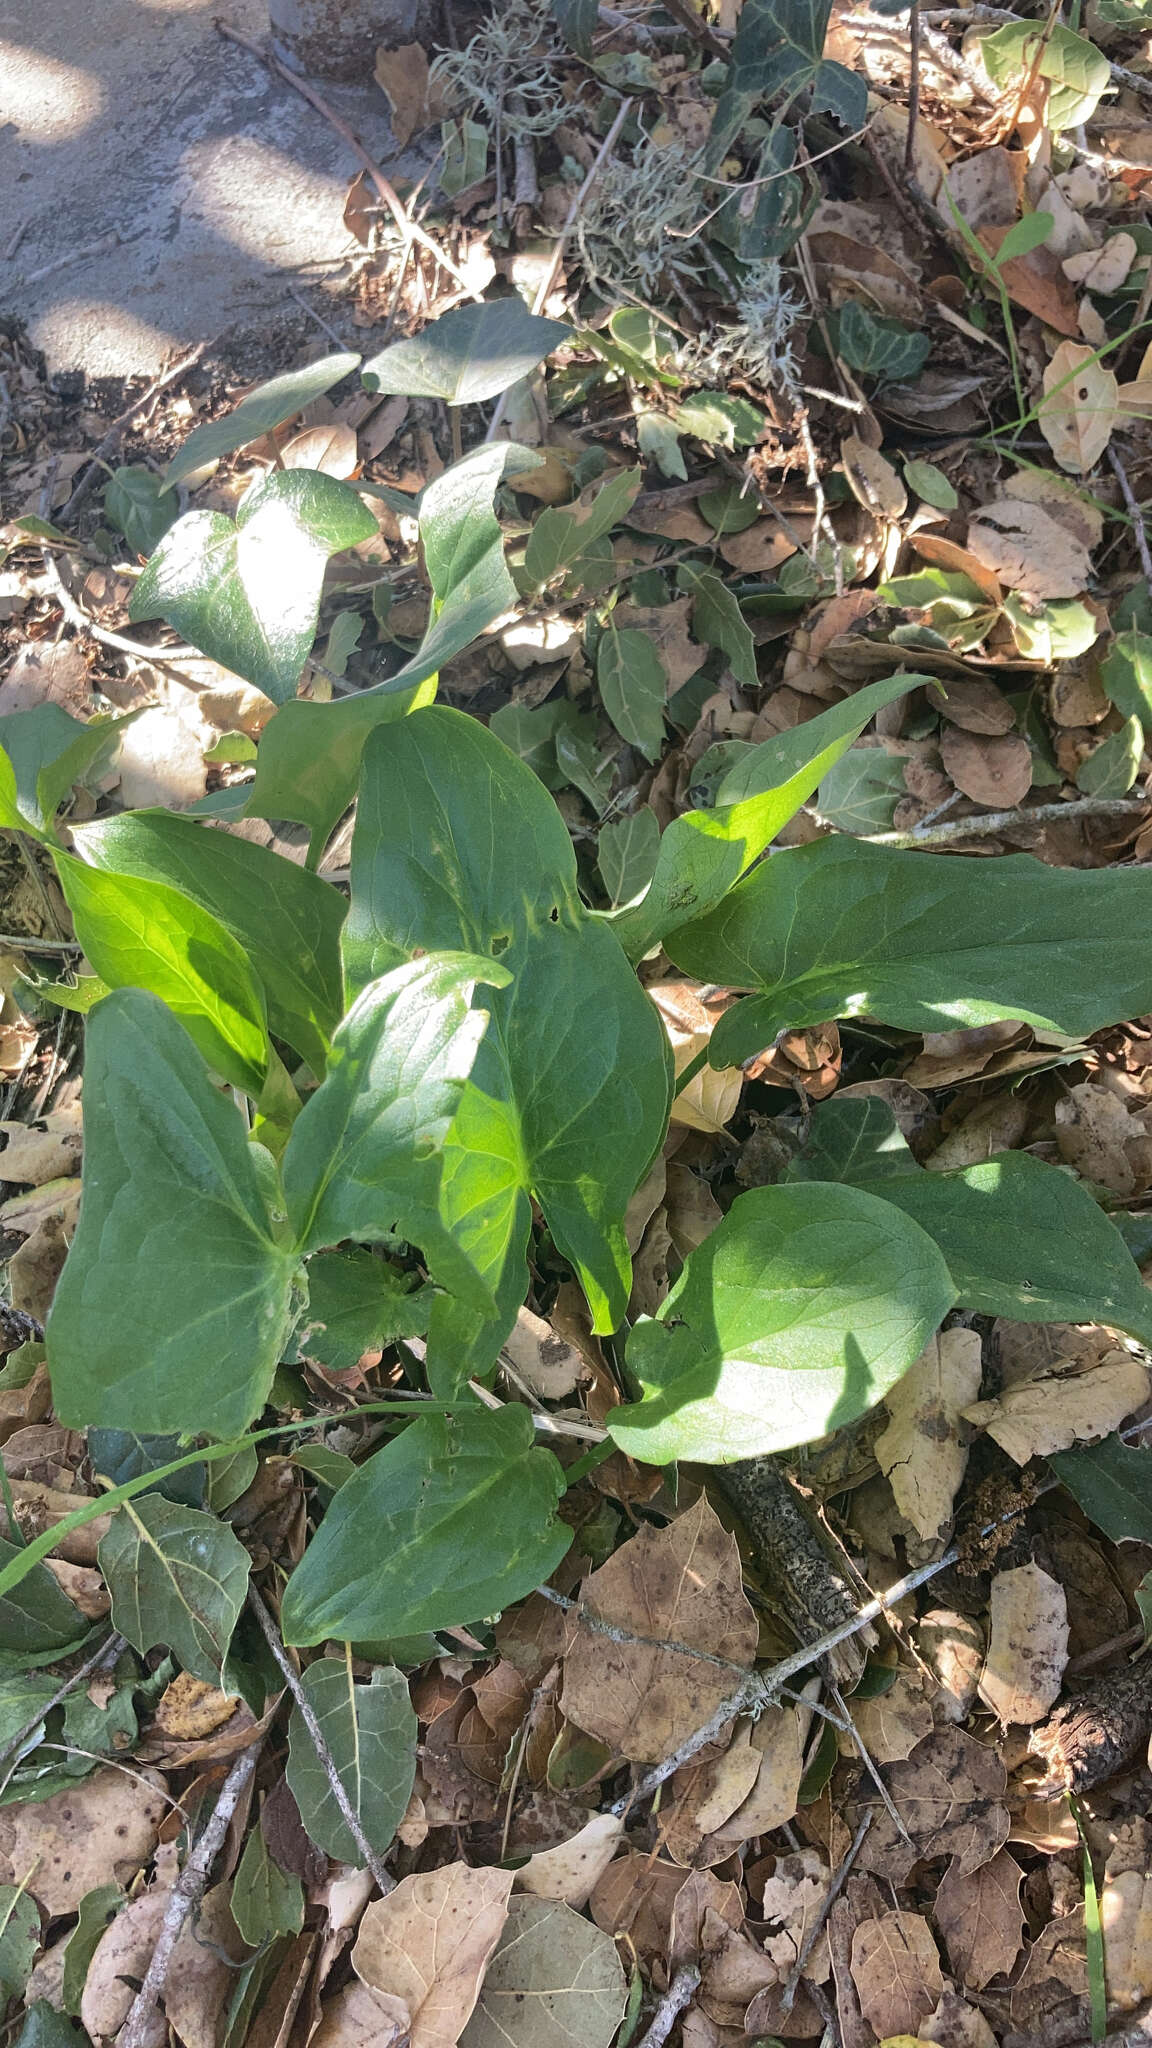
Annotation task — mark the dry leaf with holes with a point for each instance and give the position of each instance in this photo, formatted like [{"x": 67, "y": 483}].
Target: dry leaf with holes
[
  {"x": 1126, "y": 1917},
  {"x": 1027, "y": 1645},
  {"x": 921, "y": 1450},
  {"x": 872, "y": 480},
  {"x": 980, "y": 1918},
  {"x": 682, "y": 1584},
  {"x": 429, "y": 1943},
  {"x": 1065, "y": 1406},
  {"x": 100, "y": 1831},
  {"x": 1079, "y": 407},
  {"x": 1029, "y": 551},
  {"x": 712, "y": 1097},
  {"x": 572, "y": 1870},
  {"x": 896, "y": 1971}
]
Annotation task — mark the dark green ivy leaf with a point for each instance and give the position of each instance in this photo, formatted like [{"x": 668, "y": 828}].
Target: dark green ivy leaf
[
  {"x": 177, "y": 1577},
  {"x": 467, "y": 355}
]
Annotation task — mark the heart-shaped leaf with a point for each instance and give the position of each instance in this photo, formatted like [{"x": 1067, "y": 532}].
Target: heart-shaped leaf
[
  {"x": 247, "y": 592},
  {"x": 177, "y": 1577},
  {"x": 467, "y": 355}
]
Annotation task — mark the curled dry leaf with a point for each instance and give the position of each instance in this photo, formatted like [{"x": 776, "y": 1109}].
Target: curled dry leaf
[
  {"x": 921, "y": 1451},
  {"x": 974, "y": 704},
  {"x": 1029, "y": 551},
  {"x": 100, "y": 1831},
  {"x": 711, "y": 1098},
  {"x": 635, "y": 1897},
  {"x": 872, "y": 480},
  {"x": 572, "y": 1870},
  {"x": 402, "y": 75},
  {"x": 1078, "y": 411},
  {"x": 896, "y": 1971},
  {"x": 980, "y": 1919},
  {"x": 1027, "y": 1645},
  {"x": 681, "y": 1584},
  {"x": 997, "y": 772},
  {"x": 428, "y": 1944},
  {"x": 1068, "y": 1405}
]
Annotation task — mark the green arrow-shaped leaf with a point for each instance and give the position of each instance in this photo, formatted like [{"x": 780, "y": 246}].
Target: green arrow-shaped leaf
[
  {"x": 177, "y": 1577},
  {"x": 467, "y": 355},
  {"x": 370, "y": 1731}
]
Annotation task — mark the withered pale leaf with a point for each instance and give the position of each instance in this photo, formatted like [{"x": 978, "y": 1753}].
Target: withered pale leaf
[
  {"x": 549, "y": 1366},
  {"x": 1029, "y": 551},
  {"x": 681, "y": 1584},
  {"x": 100, "y": 1831},
  {"x": 891, "y": 1724},
  {"x": 896, "y": 1971},
  {"x": 1064, "y": 1407},
  {"x": 980, "y": 1919},
  {"x": 991, "y": 770},
  {"x": 1126, "y": 1918},
  {"x": 428, "y": 1944},
  {"x": 1103, "y": 270},
  {"x": 572, "y": 1870},
  {"x": 950, "y": 1795},
  {"x": 872, "y": 479},
  {"x": 921, "y": 1450},
  {"x": 712, "y": 1096},
  {"x": 360, "y": 2018},
  {"x": 1078, "y": 411},
  {"x": 1027, "y": 1645},
  {"x": 554, "y": 1981},
  {"x": 792, "y": 1899}
]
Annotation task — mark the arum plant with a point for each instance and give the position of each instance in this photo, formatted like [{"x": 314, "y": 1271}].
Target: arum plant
[{"x": 316, "y": 1122}]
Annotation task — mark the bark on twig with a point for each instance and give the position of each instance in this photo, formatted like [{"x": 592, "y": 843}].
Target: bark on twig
[
  {"x": 803, "y": 1567},
  {"x": 671, "y": 2006},
  {"x": 1009, "y": 821}
]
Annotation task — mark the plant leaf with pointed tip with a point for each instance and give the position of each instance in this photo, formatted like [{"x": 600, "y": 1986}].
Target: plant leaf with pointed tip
[
  {"x": 633, "y": 687},
  {"x": 562, "y": 533},
  {"x": 172, "y": 1209},
  {"x": 925, "y": 942},
  {"x": 43, "y": 751},
  {"x": 718, "y": 621},
  {"x": 1110, "y": 1481},
  {"x": 794, "y": 1316},
  {"x": 177, "y": 1578},
  {"x": 470, "y": 354},
  {"x": 370, "y": 1731},
  {"x": 36, "y": 1617},
  {"x": 626, "y": 854},
  {"x": 247, "y": 592},
  {"x": 263, "y": 409},
  {"x": 264, "y": 1900},
  {"x": 408, "y": 1542}
]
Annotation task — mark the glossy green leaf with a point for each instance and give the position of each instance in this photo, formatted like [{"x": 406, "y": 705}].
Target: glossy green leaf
[
  {"x": 1112, "y": 767},
  {"x": 36, "y": 1616},
  {"x": 173, "y": 1221},
  {"x": 247, "y": 592},
  {"x": 457, "y": 845},
  {"x": 467, "y": 355},
  {"x": 365, "y": 1156},
  {"x": 563, "y": 532},
  {"x": 704, "y": 852},
  {"x": 928, "y": 943},
  {"x": 855, "y": 1139},
  {"x": 794, "y": 1317},
  {"x": 451, "y": 1521},
  {"x": 286, "y": 921},
  {"x": 310, "y": 754},
  {"x": 19, "y": 1938},
  {"x": 1076, "y": 72},
  {"x": 101, "y": 1727},
  {"x": 720, "y": 418},
  {"x": 778, "y": 51},
  {"x": 717, "y": 621},
  {"x": 42, "y": 753},
  {"x": 177, "y": 1577},
  {"x": 44, "y": 2027},
  {"x": 861, "y": 790},
  {"x": 530, "y": 732},
  {"x": 633, "y": 687},
  {"x": 659, "y": 442},
  {"x": 370, "y": 1731},
  {"x": 1126, "y": 673},
  {"x": 357, "y": 1303},
  {"x": 147, "y": 935},
  {"x": 141, "y": 506},
  {"x": 1111, "y": 1482},
  {"x": 626, "y": 854},
  {"x": 265, "y": 1900},
  {"x": 264, "y": 409}
]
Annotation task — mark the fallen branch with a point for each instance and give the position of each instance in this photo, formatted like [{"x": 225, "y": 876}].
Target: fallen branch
[
  {"x": 788, "y": 1995},
  {"x": 119, "y": 427},
  {"x": 671, "y": 2006},
  {"x": 187, "y": 1893},
  {"x": 78, "y": 617},
  {"x": 410, "y": 229},
  {"x": 348, "y": 1813},
  {"x": 1009, "y": 821}
]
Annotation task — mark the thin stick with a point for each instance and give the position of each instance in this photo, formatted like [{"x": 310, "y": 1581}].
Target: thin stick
[
  {"x": 1136, "y": 510},
  {"x": 119, "y": 427},
  {"x": 187, "y": 1893},
  {"x": 614, "y": 1634},
  {"x": 869, "y": 1763},
  {"x": 913, "y": 86},
  {"x": 671, "y": 2006},
  {"x": 410, "y": 229},
  {"x": 548, "y": 280},
  {"x": 348, "y": 1812},
  {"x": 106, "y": 1654},
  {"x": 788, "y": 1995},
  {"x": 39, "y": 945},
  {"x": 78, "y": 617},
  {"x": 1003, "y": 821}
]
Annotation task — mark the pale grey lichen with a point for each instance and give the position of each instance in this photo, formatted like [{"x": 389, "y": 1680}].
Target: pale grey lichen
[
  {"x": 761, "y": 342},
  {"x": 638, "y": 225},
  {"x": 510, "y": 73}
]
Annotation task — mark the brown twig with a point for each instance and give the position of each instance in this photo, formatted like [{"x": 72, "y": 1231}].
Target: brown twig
[
  {"x": 840, "y": 1878},
  {"x": 1003, "y": 821},
  {"x": 105, "y": 1655},
  {"x": 119, "y": 427},
  {"x": 671, "y": 2006},
  {"x": 410, "y": 229},
  {"x": 1136, "y": 512},
  {"x": 913, "y": 86},
  {"x": 118, "y": 642},
  {"x": 187, "y": 1893},
  {"x": 348, "y": 1813}
]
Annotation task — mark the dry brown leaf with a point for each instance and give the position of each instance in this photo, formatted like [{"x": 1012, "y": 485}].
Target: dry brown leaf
[
  {"x": 402, "y": 76},
  {"x": 1029, "y": 551},
  {"x": 891, "y": 1724},
  {"x": 712, "y": 1097},
  {"x": 100, "y": 1831},
  {"x": 980, "y": 1919},
  {"x": 360, "y": 2018},
  {"x": 997, "y": 772},
  {"x": 635, "y": 1897},
  {"x": 896, "y": 1971},
  {"x": 777, "y": 1738},
  {"x": 949, "y": 1794},
  {"x": 189, "y": 1710},
  {"x": 691, "y": 1208},
  {"x": 1097, "y": 1134},
  {"x": 921, "y": 1450},
  {"x": 549, "y": 1366},
  {"x": 702, "y": 1800},
  {"x": 952, "y": 1646},
  {"x": 682, "y": 1584},
  {"x": 950, "y": 1056},
  {"x": 1067, "y": 1406},
  {"x": 666, "y": 626},
  {"x": 573, "y": 1869},
  {"x": 202, "y": 1977},
  {"x": 872, "y": 480},
  {"x": 428, "y": 1944},
  {"x": 1072, "y": 507},
  {"x": 956, "y": 2024},
  {"x": 51, "y": 674},
  {"x": 121, "y": 1957},
  {"x": 996, "y": 1125},
  {"x": 330, "y": 449},
  {"x": 46, "y": 1150},
  {"x": 1037, "y": 282},
  {"x": 973, "y": 703},
  {"x": 1078, "y": 411},
  {"x": 34, "y": 1270},
  {"x": 1051, "y": 1992},
  {"x": 947, "y": 554},
  {"x": 792, "y": 1899},
  {"x": 1126, "y": 1917},
  {"x": 1027, "y": 1645}
]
